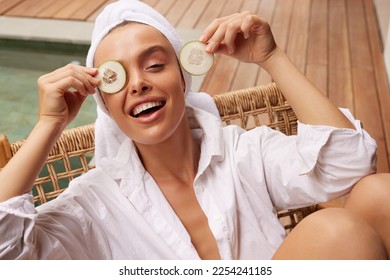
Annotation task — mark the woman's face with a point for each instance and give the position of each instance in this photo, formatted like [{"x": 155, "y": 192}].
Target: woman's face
[{"x": 153, "y": 80}]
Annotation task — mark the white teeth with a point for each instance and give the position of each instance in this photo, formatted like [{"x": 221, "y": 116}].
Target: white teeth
[{"x": 145, "y": 106}]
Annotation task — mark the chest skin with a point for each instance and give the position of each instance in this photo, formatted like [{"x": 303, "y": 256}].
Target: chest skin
[{"x": 186, "y": 206}]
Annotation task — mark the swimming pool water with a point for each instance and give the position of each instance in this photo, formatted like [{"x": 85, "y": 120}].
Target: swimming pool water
[{"x": 21, "y": 64}]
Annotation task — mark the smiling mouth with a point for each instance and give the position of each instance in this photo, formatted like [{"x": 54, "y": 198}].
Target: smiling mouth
[{"x": 147, "y": 108}]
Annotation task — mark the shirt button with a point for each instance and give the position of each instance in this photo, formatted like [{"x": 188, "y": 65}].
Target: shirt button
[{"x": 218, "y": 218}]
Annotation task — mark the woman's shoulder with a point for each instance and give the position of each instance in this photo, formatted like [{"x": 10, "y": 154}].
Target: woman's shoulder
[
  {"x": 92, "y": 178},
  {"x": 238, "y": 134}
]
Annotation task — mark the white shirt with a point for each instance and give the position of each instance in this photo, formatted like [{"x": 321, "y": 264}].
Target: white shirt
[{"x": 117, "y": 211}]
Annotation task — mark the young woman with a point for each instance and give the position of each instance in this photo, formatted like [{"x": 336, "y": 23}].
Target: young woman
[{"x": 176, "y": 185}]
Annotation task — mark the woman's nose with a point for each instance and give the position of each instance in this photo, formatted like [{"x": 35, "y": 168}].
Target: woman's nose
[{"x": 138, "y": 84}]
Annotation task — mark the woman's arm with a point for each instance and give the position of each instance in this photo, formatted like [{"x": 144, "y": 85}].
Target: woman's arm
[
  {"x": 249, "y": 38},
  {"x": 58, "y": 106},
  {"x": 309, "y": 103}
]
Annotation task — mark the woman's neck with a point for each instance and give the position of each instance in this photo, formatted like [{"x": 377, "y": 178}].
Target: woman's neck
[{"x": 176, "y": 158}]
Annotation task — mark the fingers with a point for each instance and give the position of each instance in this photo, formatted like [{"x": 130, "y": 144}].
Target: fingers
[
  {"x": 70, "y": 78},
  {"x": 62, "y": 92},
  {"x": 223, "y": 31}
]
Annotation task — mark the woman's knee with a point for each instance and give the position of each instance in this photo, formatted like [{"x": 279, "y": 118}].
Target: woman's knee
[
  {"x": 371, "y": 195},
  {"x": 370, "y": 200},
  {"x": 332, "y": 234}
]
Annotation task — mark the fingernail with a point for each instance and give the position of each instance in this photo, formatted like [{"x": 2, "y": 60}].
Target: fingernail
[{"x": 202, "y": 38}]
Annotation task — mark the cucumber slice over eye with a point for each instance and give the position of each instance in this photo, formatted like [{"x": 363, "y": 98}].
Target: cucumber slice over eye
[
  {"x": 112, "y": 76},
  {"x": 194, "y": 59}
]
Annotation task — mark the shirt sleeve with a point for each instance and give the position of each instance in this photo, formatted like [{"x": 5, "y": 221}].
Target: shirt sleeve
[
  {"x": 46, "y": 233},
  {"x": 16, "y": 218},
  {"x": 319, "y": 164}
]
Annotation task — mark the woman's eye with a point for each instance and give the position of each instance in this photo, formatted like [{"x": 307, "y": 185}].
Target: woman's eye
[{"x": 155, "y": 66}]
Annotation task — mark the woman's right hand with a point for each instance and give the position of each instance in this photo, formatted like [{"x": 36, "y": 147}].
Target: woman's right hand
[
  {"x": 61, "y": 94},
  {"x": 63, "y": 91}
]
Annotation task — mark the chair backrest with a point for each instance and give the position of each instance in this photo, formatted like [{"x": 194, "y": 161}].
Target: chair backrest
[
  {"x": 261, "y": 105},
  {"x": 70, "y": 157}
]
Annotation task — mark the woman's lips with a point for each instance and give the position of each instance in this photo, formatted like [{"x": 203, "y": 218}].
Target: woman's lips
[{"x": 146, "y": 108}]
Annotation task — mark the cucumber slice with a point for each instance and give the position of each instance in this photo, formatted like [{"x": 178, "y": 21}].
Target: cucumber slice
[
  {"x": 112, "y": 76},
  {"x": 194, "y": 59}
]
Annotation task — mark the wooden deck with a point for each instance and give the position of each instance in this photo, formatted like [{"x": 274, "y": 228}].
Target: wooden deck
[{"x": 336, "y": 43}]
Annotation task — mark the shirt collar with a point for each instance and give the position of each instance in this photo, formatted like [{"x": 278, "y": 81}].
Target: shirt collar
[
  {"x": 204, "y": 126},
  {"x": 208, "y": 128}
]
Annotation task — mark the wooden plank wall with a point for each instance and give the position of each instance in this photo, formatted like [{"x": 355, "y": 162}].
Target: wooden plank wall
[{"x": 336, "y": 43}]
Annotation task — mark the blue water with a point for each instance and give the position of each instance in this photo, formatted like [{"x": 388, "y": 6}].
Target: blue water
[{"x": 21, "y": 64}]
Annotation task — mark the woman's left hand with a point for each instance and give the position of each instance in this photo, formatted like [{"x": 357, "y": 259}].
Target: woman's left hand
[{"x": 244, "y": 36}]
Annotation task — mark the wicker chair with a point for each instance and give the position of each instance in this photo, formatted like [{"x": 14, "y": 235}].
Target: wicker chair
[{"x": 248, "y": 108}]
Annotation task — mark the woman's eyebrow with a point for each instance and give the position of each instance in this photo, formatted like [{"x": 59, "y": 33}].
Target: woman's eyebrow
[
  {"x": 153, "y": 49},
  {"x": 147, "y": 52}
]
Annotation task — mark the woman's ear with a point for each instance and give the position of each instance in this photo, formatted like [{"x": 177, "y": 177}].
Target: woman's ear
[{"x": 183, "y": 82}]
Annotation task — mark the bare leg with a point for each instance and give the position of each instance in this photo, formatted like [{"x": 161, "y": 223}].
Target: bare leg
[
  {"x": 333, "y": 233},
  {"x": 370, "y": 199}
]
